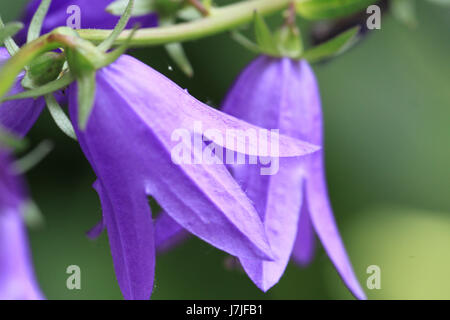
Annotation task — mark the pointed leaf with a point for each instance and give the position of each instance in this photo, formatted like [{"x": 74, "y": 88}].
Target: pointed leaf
[
  {"x": 332, "y": 47},
  {"x": 10, "y": 44},
  {"x": 86, "y": 95},
  {"x": 50, "y": 87},
  {"x": 34, "y": 31},
  {"x": 330, "y": 9},
  {"x": 245, "y": 42},
  {"x": 9, "y": 140},
  {"x": 176, "y": 52},
  {"x": 140, "y": 8},
  {"x": 9, "y": 30},
  {"x": 34, "y": 157},
  {"x": 61, "y": 119},
  {"x": 105, "y": 45},
  {"x": 264, "y": 37}
]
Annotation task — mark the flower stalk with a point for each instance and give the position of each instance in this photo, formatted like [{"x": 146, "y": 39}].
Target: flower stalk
[{"x": 219, "y": 20}]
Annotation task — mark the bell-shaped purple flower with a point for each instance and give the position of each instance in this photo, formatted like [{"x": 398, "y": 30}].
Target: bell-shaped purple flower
[
  {"x": 293, "y": 204},
  {"x": 18, "y": 116},
  {"x": 17, "y": 280},
  {"x": 91, "y": 14},
  {"x": 129, "y": 141}
]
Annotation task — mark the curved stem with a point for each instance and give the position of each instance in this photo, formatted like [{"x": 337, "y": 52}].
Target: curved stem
[{"x": 219, "y": 20}]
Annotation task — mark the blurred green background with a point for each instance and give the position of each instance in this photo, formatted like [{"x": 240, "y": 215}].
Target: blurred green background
[{"x": 386, "y": 105}]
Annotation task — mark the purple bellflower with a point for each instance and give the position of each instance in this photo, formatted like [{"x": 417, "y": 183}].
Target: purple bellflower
[
  {"x": 18, "y": 116},
  {"x": 17, "y": 280},
  {"x": 293, "y": 204},
  {"x": 92, "y": 15},
  {"x": 128, "y": 141}
]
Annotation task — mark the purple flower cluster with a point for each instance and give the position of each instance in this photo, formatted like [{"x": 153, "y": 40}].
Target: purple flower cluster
[{"x": 128, "y": 141}]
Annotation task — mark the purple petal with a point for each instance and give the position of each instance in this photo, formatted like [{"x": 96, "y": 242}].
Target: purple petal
[
  {"x": 17, "y": 280},
  {"x": 326, "y": 228},
  {"x": 319, "y": 206},
  {"x": 128, "y": 141},
  {"x": 279, "y": 198},
  {"x": 266, "y": 94},
  {"x": 130, "y": 232},
  {"x": 283, "y": 93},
  {"x": 168, "y": 233},
  {"x": 18, "y": 116},
  {"x": 305, "y": 244},
  {"x": 93, "y": 16}
]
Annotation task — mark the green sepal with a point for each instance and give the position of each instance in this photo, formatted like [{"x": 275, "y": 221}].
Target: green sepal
[
  {"x": 245, "y": 42},
  {"x": 121, "y": 25},
  {"x": 34, "y": 157},
  {"x": 264, "y": 37},
  {"x": 10, "y": 44},
  {"x": 9, "y": 30},
  {"x": 34, "y": 30},
  {"x": 83, "y": 57},
  {"x": 60, "y": 118},
  {"x": 10, "y": 140},
  {"x": 330, "y": 9},
  {"x": 176, "y": 52},
  {"x": 332, "y": 47},
  {"x": 289, "y": 42},
  {"x": 33, "y": 216},
  {"x": 86, "y": 96},
  {"x": 50, "y": 87}
]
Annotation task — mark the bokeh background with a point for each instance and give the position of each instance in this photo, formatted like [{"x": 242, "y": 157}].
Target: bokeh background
[{"x": 387, "y": 114}]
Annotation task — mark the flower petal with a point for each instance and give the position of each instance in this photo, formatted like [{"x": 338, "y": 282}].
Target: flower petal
[
  {"x": 278, "y": 198},
  {"x": 168, "y": 233},
  {"x": 325, "y": 225},
  {"x": 305, "y": 243},
  {"x": 130, "y": 231}
]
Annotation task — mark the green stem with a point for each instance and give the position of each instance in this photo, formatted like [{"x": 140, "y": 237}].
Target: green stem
[{"x": 220, "y": 20}]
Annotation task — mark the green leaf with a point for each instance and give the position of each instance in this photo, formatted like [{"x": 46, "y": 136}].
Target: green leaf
[
  {"x": 10, "y": 44},
  {"x": 9, "y": 140},
  {"x": 264, "y": 37},
  {"x": 50, "y": 87},
  {"x": 9, "y": 30},
  {"x": 61, "y": 119},
  {"x": 245, "y": 42},
  {"x": 34, "y": 31},
  {"x": 114, "y": 55},
  {"x": 121, "y": 25},
  {"x": 330, "y": 9},
  {"x": 289, "y": 42},
  {"x": 176, "y": 51},
  {"x": 177, "y": 54},
  {"x": 34, "y": 157},
  {"x": 332, "y": 47},
  {"x": 32, "y": 215},
  {"x": 140, "y": 8},
  {"x": 86, "y": 95},
  {"x": 405, "y": 12}
]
